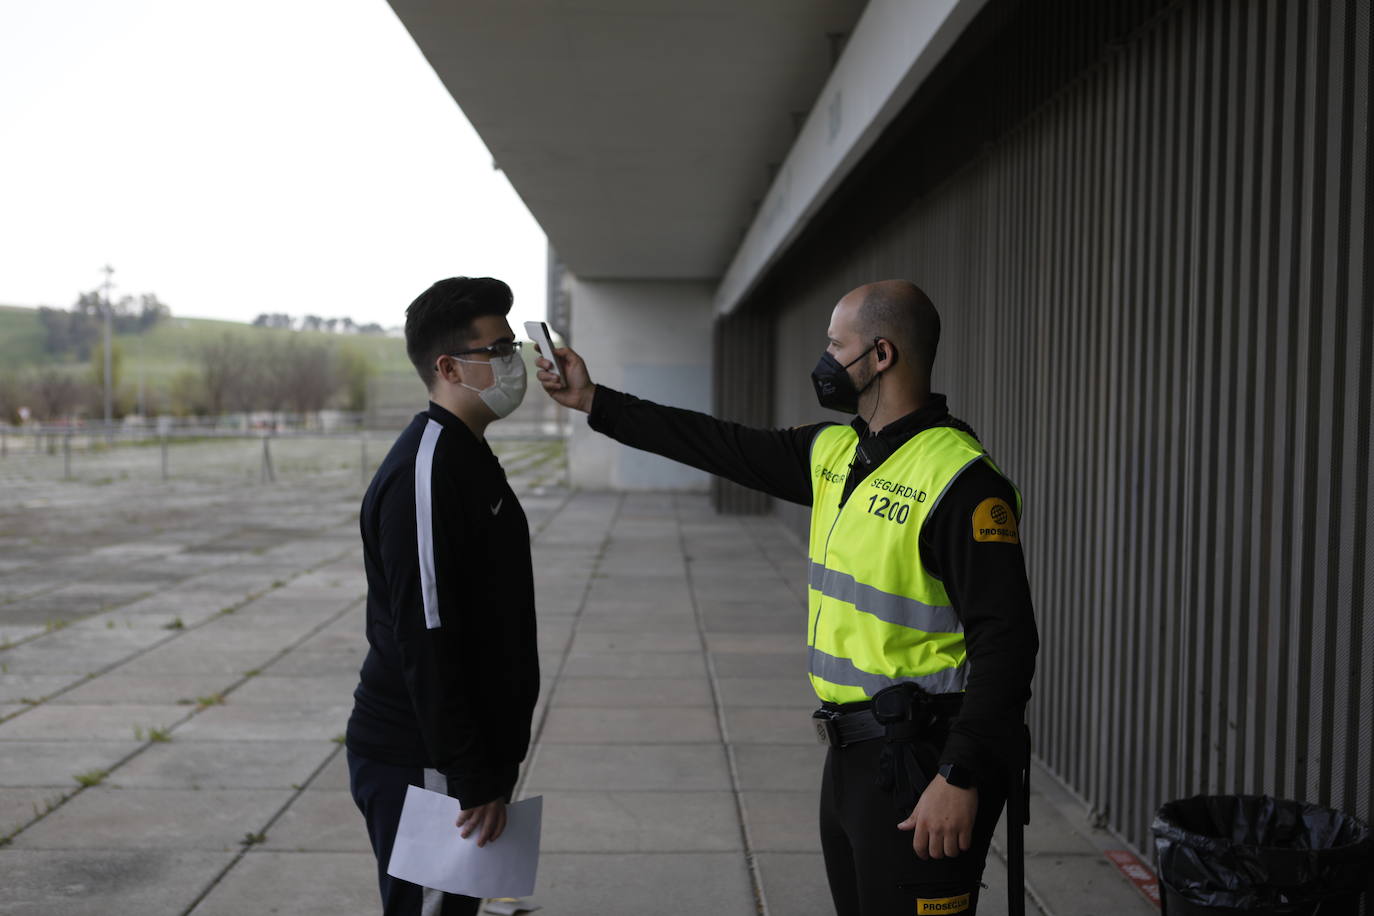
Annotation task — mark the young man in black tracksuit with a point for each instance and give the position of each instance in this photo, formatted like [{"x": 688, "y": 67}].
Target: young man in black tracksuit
[{"x": 448, "y": 688}]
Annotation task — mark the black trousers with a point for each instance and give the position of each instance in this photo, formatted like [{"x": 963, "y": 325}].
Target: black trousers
[
  {"x": 870, "y": 864},
  {"x": 379, "y": 790}
]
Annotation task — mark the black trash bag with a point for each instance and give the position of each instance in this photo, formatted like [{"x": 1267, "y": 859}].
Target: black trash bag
[{"x": 1256, "y": 854}]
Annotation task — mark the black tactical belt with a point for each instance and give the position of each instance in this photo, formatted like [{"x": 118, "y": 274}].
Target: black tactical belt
[{"x": 841, "y": 729}]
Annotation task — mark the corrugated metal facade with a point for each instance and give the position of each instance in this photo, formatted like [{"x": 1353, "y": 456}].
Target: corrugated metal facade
[
  {"x": 1147, "y": 227},
  {"x": 742, "y": 383}
]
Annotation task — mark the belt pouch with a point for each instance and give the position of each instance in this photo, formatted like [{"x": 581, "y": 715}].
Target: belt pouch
[{"x": 908, "y": 724}]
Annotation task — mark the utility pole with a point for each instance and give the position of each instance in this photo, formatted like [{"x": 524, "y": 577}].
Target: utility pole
[
  {"x": 142, "y": 404},
  {"x": 109, "y": 351}
]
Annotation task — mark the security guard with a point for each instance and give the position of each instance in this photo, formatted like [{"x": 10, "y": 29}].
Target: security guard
[{"x": 921, "y": 633}]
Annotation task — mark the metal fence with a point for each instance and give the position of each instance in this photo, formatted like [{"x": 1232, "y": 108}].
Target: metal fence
[{"x": 238, "y": 448}]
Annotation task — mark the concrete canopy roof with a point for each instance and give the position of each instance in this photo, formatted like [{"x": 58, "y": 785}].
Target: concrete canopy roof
[{"x": 640, "y": 133}]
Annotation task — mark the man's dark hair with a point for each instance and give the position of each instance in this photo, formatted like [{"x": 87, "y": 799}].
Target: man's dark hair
[
  {"x": 440, "y": 319},
  {"x": 901, "y": 312}
]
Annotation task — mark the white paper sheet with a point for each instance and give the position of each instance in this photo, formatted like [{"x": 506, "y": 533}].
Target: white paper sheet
[{"x": 431, "y": 852}]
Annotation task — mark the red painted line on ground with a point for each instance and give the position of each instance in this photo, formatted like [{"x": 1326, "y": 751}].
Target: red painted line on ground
[{"x": 1136, "y": 872}]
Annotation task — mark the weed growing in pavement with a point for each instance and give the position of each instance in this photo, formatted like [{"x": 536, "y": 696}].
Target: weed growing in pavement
[
  {"x": 252, "y": 839},
  {"x": 252, "y": 672},
  {"x": 152, "y": 733},
  {"x": 214, "y": 699},
  {"x": 175, "y": 624},
  {"x": 91, "y": 778},
  {"x": 53, "y": 625},
  {"x": 48, "y": 804},
  {"x": 277, "y": 583},
  {"x": 338, "y": 739}
]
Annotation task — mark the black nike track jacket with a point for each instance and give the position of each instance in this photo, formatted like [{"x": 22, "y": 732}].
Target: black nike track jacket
[{"x": 452, "y": 673}]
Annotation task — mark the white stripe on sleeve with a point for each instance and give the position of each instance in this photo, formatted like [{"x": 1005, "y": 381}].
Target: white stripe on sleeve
[{"x": 424, "y": 522}]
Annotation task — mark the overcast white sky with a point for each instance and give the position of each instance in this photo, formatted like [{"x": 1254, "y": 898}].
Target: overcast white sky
[{"x": 240, "y": 157}]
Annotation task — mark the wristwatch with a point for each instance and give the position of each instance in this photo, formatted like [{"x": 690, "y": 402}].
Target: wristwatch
[{"x": 957, "y": 776}]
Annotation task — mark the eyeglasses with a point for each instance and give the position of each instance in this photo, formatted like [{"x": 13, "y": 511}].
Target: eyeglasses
[{"x": 499, "y": 350}]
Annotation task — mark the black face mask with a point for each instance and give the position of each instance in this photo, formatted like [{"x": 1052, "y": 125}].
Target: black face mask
[{"x": 834, "y": 388}]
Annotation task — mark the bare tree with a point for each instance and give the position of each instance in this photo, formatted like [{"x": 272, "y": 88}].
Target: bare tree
[
  {"x": 55, "y": 393},
  {"x": 272, "y": 374},
  {"x": 355, "y": 370},
  {"x": 12, "y": 397},
  {"x": 151, "y": 311},
  {"x": 313, "y": 376},
  {"x": 222, "y": 363}
]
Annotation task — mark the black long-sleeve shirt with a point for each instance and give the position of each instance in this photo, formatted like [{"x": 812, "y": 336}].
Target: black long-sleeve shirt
[
  {"x": 452, "y": 672},
  {"x": 985, "y": 580}
]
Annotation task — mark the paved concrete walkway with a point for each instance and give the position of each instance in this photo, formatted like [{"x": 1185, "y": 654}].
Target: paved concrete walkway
[{"x": 180, "y": 675}]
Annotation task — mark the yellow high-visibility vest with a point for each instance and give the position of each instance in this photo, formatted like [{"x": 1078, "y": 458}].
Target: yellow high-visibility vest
[{"x": 876, "y": 616}]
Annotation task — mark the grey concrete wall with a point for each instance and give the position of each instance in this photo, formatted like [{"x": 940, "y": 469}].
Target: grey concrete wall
[
  {"x": 1148, "y": 229},
  {"x": 651, "y": 339}
]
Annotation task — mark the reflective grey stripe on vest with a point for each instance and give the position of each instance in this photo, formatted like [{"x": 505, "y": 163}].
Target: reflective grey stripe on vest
[
  {"x": 842, "y": 671},
  {"x": 887, "y": 607}
]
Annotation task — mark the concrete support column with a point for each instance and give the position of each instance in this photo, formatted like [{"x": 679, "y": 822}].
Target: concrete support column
[
  {"x": 745, "y": 341},
  {"x": 652, "y": 339}
]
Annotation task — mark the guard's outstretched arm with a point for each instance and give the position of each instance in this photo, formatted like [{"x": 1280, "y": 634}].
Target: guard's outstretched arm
[{"x": 775, "y": 461}]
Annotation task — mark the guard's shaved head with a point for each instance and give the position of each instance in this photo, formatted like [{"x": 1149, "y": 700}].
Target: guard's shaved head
[{"x": 899, "y": 311}]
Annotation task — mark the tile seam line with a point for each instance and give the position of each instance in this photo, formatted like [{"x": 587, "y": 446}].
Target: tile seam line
[
  {"x": 295, "y": 795},
  {"x": 226, "y": 490},
  {"x": 245, "y": 848},
  {"x": 750, "y": 859},
  {"x": 177, "y": 634},
  {"x": 1039, "y": 899},
  {"x": 195, "y": 711},
  {"x": 133, "y": 599},
  {"x": 537, "y": 732}
]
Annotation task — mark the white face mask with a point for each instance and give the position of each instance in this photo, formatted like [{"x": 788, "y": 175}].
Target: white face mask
[{"x": 507, "y": 389}]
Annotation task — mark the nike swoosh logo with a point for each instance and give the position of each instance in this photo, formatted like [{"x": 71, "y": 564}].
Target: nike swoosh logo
[{"x": 497, "y": 508}]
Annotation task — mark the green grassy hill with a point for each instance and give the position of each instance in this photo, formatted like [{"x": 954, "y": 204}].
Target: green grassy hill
[
  {"x": 21, "y": 337},
  {"x": 170, "y": 347}
]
